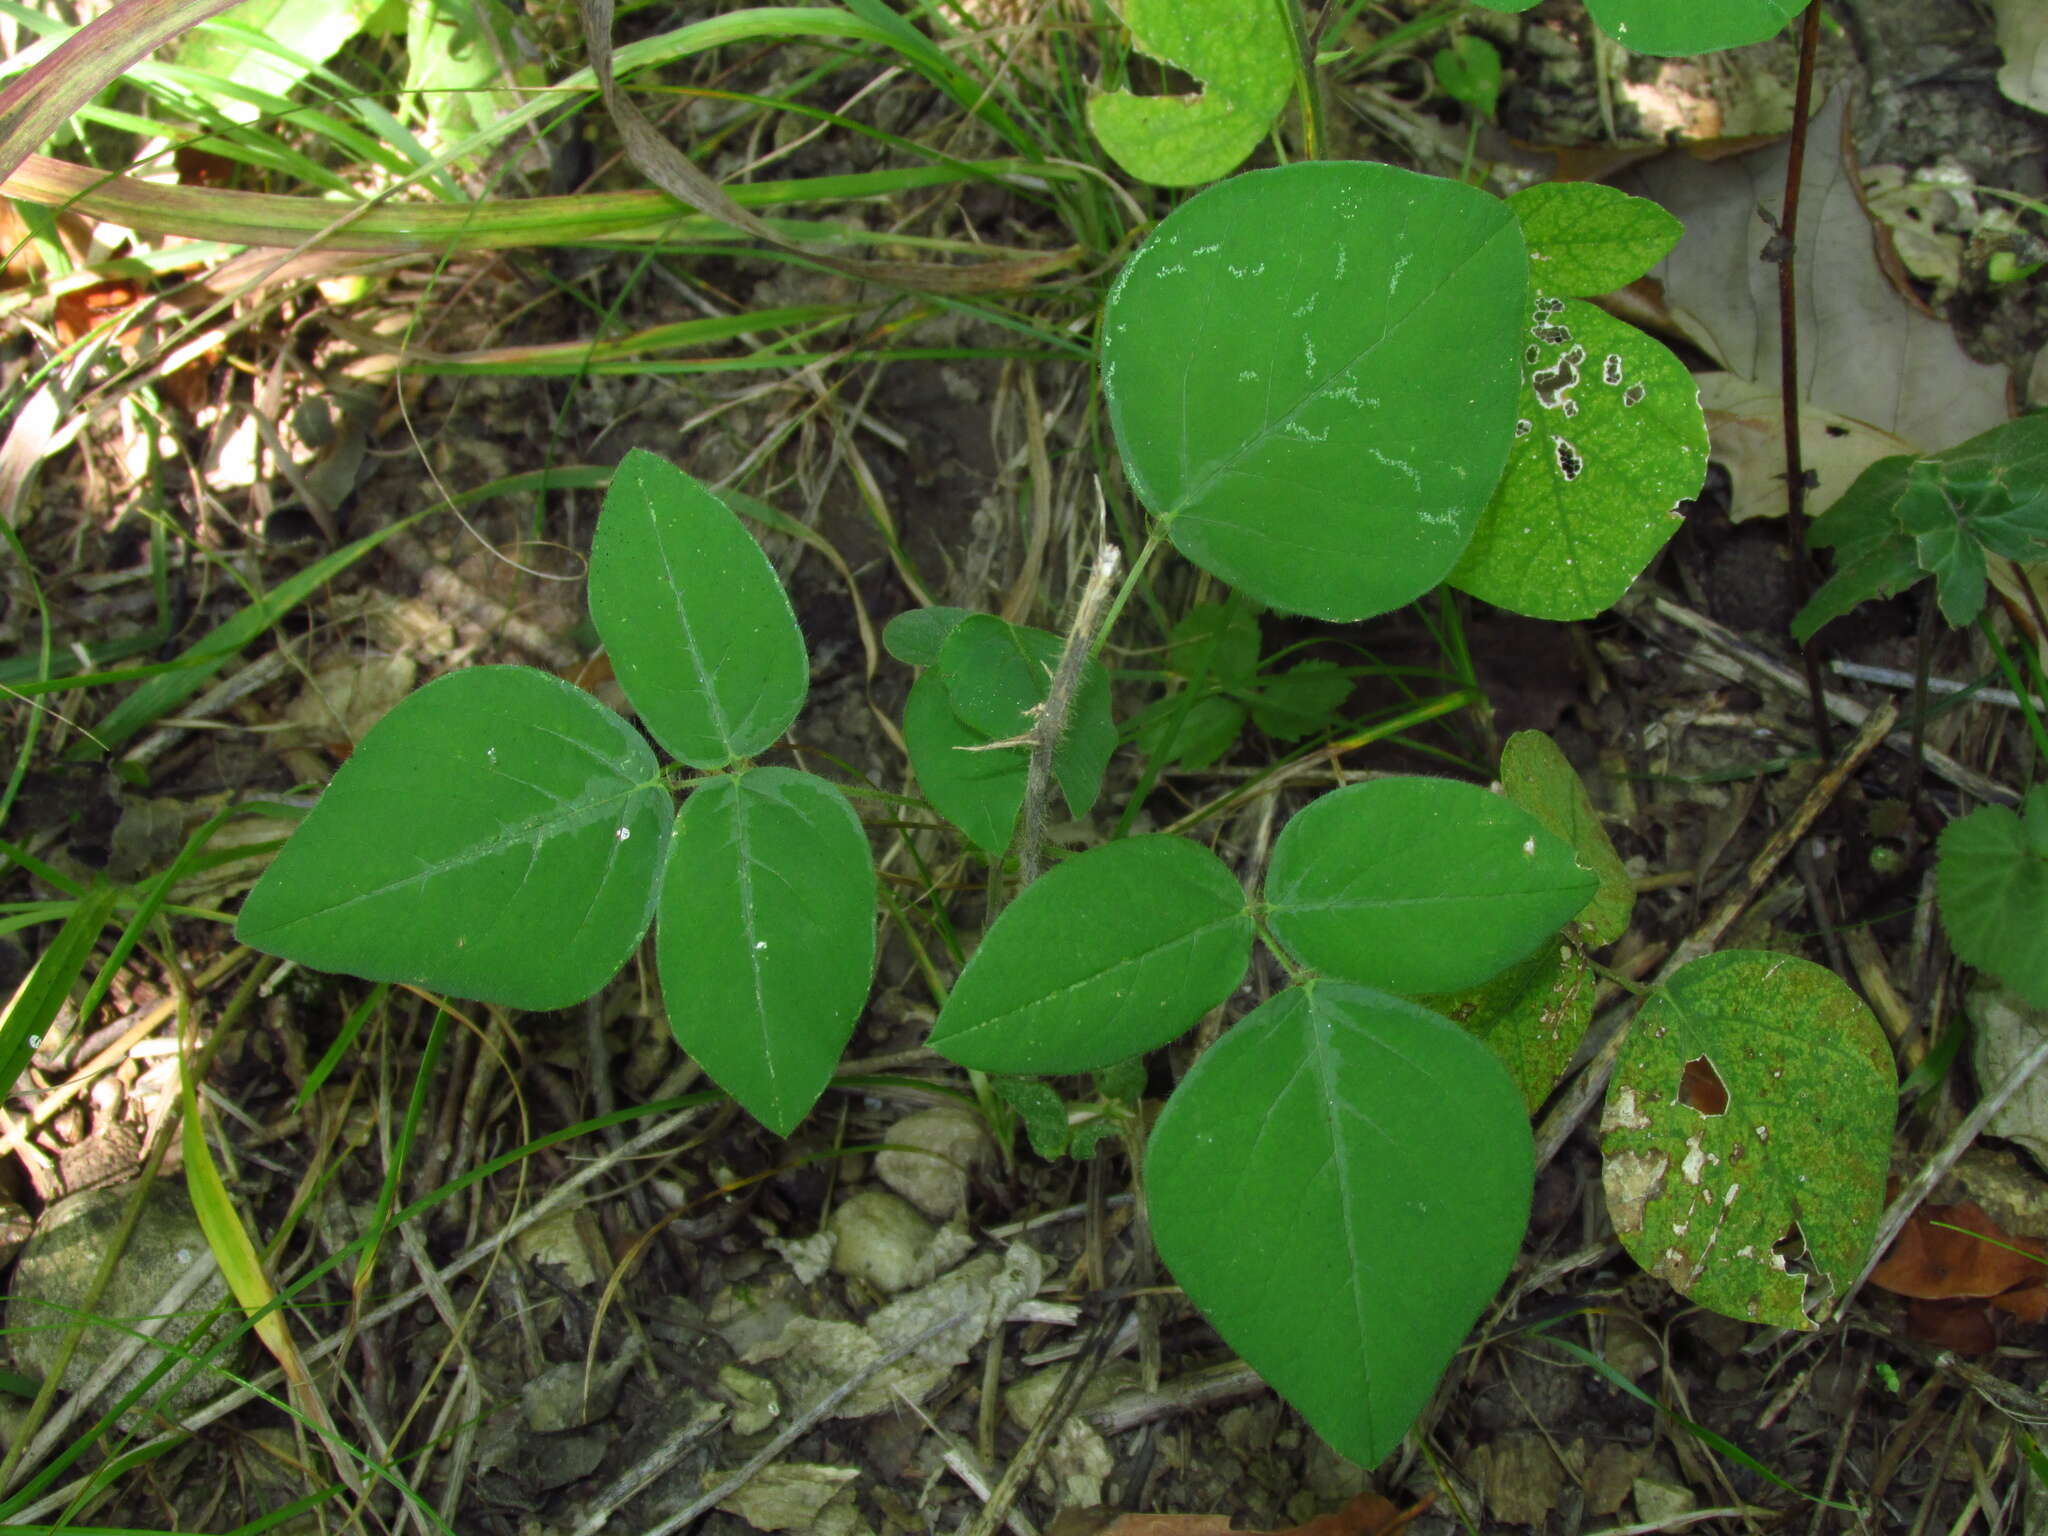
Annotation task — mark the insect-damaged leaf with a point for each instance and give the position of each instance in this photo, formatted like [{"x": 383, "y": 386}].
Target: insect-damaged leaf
[
  {"x": 1240, "y": 54},
  {"x": 1762, "y": 1210},
  {"x": 1311, "y": 373},
  {"x": 1609, "y": 441},
  {"x": 1339, "y": 1184},
  {"x": 1108, "y": 955}
]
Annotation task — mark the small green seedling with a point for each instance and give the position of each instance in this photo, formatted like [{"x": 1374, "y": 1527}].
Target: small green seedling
[{"x": 1334, "y": 386}]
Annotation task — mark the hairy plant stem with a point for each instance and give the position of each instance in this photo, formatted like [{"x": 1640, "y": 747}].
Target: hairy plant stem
[
  {"x": 1050, "y": 725},
  {"x": 1782, "y": 249}
]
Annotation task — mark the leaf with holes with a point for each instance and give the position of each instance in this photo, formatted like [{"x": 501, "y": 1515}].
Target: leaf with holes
[
  {"x": 1340, "y": 1183},
  {"x": 1532, "y": 1016},
  {"x": 1992, "y": 878},
  {"x": 496, "y": 836},
  {"x": 1586, "y": 239},
  {"x": 1241, "y": 55},
  {"x": 1108, "y": 955},
  {"x": 1754, "y": 1187},
  {"x": 700, "y": 631},
  {"x": 1538, "y": 778},
  {"x": 1418, "y": 885},
  {"x": 1610, "y": 440},
  {"x": 1311, "y": 374},
  {"x": 766, "y": 938}
]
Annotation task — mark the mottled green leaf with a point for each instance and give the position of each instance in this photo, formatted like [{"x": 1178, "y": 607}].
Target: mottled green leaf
[
  {"x": 1761, "y": 1206},
  {"x": 1586, "y": 238},
  {"x": 1538, "y": 778},
  {"x": 1531, "y": 1016}
]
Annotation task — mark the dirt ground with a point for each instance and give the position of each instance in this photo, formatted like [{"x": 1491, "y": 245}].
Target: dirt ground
[{"x": 593, "y": 1371}]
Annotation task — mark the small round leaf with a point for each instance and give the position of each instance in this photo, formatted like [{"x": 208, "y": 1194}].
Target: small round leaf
[
  {"x": 1586, "y": 238},
  {"x": 1108, "y": 955},
  {"x": 1419, "y": 885},
  {"x": 1541, "y": 780},
  {"x": 1340, "y": 1184},
  {"x": 496, "y": 836}
]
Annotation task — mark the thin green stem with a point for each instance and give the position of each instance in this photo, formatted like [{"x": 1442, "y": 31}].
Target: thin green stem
[
  {"x": 1307, "y": 82},
  {"x": 2015, "y": 681}
]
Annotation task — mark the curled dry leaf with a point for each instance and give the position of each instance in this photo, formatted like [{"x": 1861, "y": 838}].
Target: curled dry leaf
[{"x": 1366, "y": 1515}]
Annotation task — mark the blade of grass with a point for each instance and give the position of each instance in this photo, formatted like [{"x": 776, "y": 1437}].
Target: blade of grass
[{"x": 33, "y": 1009}]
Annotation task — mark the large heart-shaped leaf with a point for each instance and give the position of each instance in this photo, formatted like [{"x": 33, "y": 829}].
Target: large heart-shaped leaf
[
  {"x": 1610, "y": 440},
  {"x": 766, "y": 937},
  {"x": 1993, "y": 882},
  {"x": 700, "y": 631},
  {"x": 1339, "y": 1184},
  {"x": 1241, "y": 52},
  {"x": 1419, "y": 885},
  {"x": 1311, "y": 373},
  {"x": 1747, "y": 1135},
  {"x": 1107, "y": 955},
  {"x": 497, "y": 835}
]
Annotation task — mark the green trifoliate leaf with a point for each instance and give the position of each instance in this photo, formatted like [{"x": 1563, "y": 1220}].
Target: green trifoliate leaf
[
  {"x": 996, "y": 674},
  {"x": 700, "y": 632},
  {"x": 1300, "y": 701},
  {"x": 915, "y": 636},
  {"x": 496, "y": 836}
]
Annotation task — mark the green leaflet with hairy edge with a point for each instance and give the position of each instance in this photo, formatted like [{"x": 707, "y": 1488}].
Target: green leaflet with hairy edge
[
  {"x": 1340, "y": 1183},
  {"x": 496, "y": 836},
  {"x": 1107, "y": 955},
  {"x": 699, "y": 629},
  {"x": 766, "y": 936}
]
